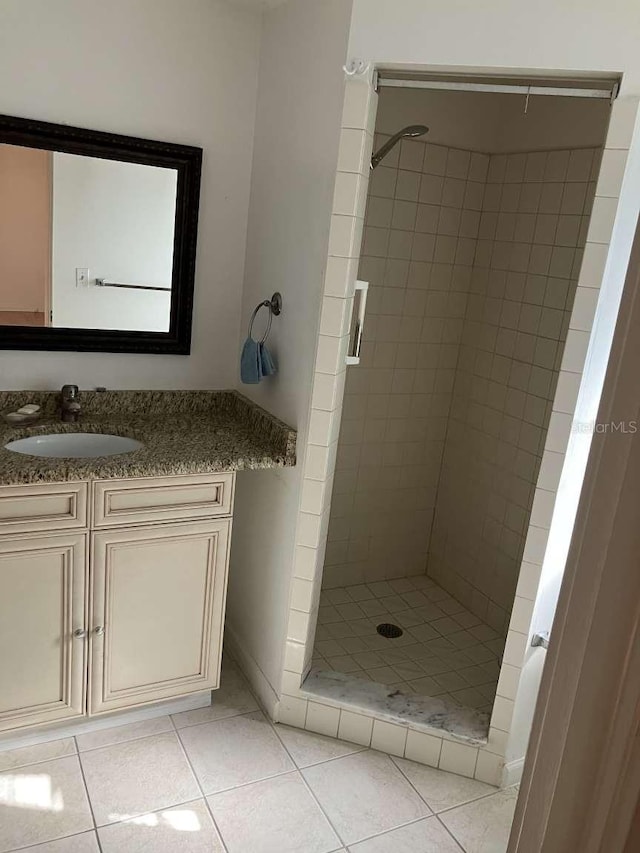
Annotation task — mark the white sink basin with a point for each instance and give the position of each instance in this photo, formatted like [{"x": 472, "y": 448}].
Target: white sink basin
[{"x": 78, "y": 445}]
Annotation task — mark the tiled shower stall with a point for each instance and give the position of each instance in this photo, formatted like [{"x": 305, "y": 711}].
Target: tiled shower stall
[
  {"x": 481, "y": 379},
  {"x": 472, "y": 260}
]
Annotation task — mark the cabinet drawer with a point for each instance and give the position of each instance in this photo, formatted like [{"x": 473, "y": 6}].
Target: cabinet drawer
[
  {"x": 43, "y": 506},
  {"x": 151, "y": 499}
]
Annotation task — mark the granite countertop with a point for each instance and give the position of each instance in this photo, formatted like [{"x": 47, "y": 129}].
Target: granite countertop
[{"x": 183, "y": 432}]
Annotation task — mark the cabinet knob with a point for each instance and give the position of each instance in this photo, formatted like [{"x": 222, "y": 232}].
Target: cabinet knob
[
  {"x": 79, "y": 633},
  {"x": 99, "y": 630}
]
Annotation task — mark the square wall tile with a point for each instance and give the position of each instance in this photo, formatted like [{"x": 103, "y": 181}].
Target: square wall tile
[
  {"x": 351, "y": 152},
  {"x": 624, "y": 116},
  {"x": 292, "y": 711},
  {"x": 302, "y": 594},
  {"x": 584, "y": 309},
  {"x": 575, "y": 351},
  {"x": 515, "y": 648},
  {"x": 423, "y": 748},
  {"x": 356, "y": 728},
  {"x": 389, "y": 738},
  {"x": 294, "y": 656},
  {"x": 357, "y": 97},
  {"x": 458, "y": 758},
  {"x": 347, "y": 193},
  {"x": 342, "y": 236},
  {"x": 489, "y": 768},
  {"x": 322, "y": 719},
  {"x": 611, "y": 174},
  {"x": 502, "y": 713},
  {"x": 602, "y": 219}
]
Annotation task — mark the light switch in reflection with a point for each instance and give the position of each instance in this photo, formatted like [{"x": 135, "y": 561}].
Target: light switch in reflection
[{"x": 82, "y": 276}]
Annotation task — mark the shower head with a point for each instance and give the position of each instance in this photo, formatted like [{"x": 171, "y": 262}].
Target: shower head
[{"x": 406, "y": 133}]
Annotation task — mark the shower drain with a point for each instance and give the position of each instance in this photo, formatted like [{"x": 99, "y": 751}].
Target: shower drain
[{"x": 388, "y": 629}]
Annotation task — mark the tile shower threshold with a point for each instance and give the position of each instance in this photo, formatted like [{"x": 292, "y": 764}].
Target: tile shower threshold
[{"x": 423, "y": 713}]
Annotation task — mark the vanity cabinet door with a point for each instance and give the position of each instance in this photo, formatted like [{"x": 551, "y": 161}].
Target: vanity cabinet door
[
  {"x": 43, "y": 642},
  {"x": 157, "y": 601}
]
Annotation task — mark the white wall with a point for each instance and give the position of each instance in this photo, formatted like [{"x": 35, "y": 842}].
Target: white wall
[
  {"x": 173, "y": 71},
  {"x": 295, "y": 157},
  {"x": 557, "y": 35},
  {"x": 117, "y": 220}
]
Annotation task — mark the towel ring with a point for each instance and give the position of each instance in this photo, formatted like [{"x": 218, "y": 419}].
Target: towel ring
[{"x": 275, "y": 307}]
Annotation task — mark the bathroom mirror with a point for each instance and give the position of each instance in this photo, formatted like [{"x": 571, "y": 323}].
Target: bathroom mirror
[{"x": 97, "y": 239}]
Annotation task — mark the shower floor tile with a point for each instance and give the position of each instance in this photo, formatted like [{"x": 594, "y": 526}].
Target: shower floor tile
[{"x": 444, "y": 650}]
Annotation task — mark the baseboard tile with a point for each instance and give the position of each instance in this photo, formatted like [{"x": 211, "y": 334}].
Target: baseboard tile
[
  {"x": 512, "y": 773},
  {"x": 261, "y": 685}
]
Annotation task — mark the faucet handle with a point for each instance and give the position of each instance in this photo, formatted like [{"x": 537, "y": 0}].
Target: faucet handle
[{"x": 69, "y": 392}]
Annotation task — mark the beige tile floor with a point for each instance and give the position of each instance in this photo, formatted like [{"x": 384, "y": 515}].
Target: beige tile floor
[
  {"x": 445, "y": 650},
  {"x": 225, "y": 779}
]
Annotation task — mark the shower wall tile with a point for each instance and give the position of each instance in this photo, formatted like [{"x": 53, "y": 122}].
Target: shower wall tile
[
  {"x": 531, "y": 236},
  {"x": 421, "y": 226}
]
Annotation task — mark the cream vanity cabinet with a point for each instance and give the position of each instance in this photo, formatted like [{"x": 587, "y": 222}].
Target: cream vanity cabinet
[{"x": 112, "y": 594}]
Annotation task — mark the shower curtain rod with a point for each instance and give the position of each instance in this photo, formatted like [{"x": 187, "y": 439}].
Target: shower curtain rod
[{"x": 505, "y": 88}]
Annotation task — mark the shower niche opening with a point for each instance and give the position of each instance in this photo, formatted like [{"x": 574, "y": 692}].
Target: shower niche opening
[{"x": 477, "y": 213}]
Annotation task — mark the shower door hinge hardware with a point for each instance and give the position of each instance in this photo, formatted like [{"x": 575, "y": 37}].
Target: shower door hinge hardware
[
  {"x": 374, "y": 80},
  {"x": 541, "y": 640}
]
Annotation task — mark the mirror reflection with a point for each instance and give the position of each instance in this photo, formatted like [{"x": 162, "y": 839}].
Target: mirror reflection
[{"x": 85, "y": 242}]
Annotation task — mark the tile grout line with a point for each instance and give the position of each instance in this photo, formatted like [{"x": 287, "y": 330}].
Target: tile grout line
[
  {"x": 307, "y": 786},
  {"x": 41, "y": 761},
  {"x": 337, "y": 758},
  {"x": 395, "y": 828},
  {"x": 54, "y": 840},
  {"x": 195, "y": 776},
  {"x": 86, "y": 788},
  {"x": 272, "y": 725},
  {"x": 364, "y": 749},
  {"x": 438, "y": 770},
  {"x": 151, "y": 810},
  {"x": 360, "y": 749},
  {"x": 153, "y": 734},
  {"x": 450, "y": 834},
  {"x": 126, "y": 740}
]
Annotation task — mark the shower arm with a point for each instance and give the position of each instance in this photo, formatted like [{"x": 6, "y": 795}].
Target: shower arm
[
  {"x": 409, "y": 132},
  {"x": 382, "y": 152}
]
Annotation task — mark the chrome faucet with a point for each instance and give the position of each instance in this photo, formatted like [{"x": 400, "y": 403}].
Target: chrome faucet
[{"x": 70, "y": 407}]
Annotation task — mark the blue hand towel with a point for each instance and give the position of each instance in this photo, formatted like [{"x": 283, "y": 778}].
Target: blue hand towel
[
  {"x": 250, "y": 367},
  {"x": 267, "y": 363},
  {"x": 255, "y": 362}
]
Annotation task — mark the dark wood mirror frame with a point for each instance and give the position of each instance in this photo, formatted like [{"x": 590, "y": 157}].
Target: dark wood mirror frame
[{"x": 187, "y": 161}]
